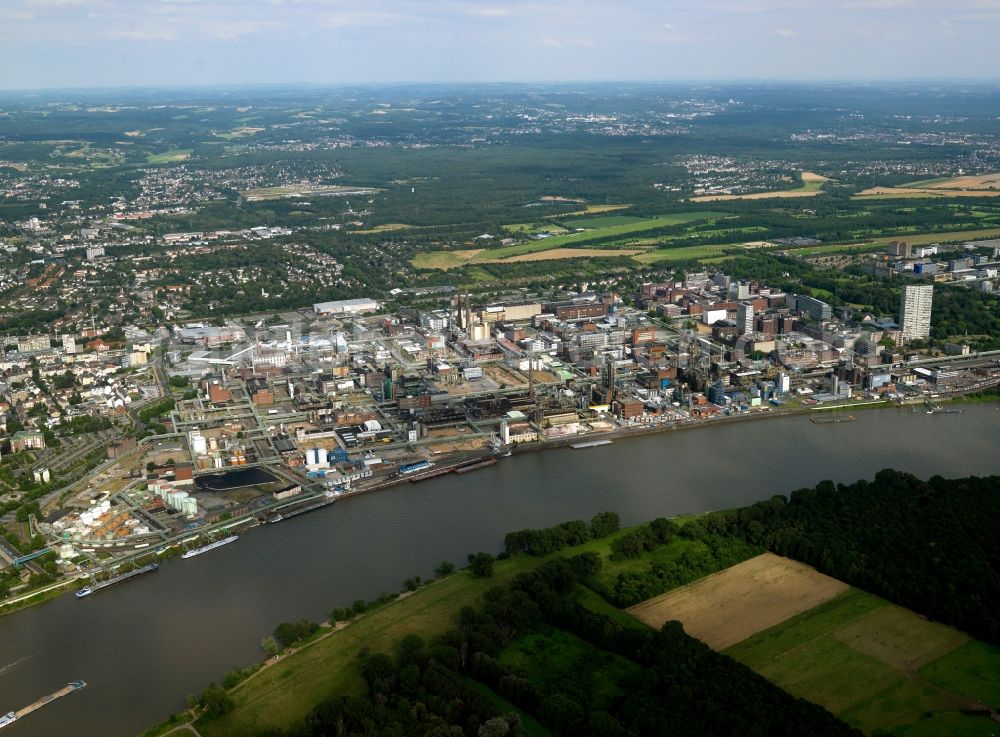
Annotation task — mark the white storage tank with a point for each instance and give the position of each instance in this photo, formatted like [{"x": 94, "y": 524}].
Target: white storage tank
[{"x": 199, "y": 446}]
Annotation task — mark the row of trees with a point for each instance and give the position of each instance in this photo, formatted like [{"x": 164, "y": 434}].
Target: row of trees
[{"x": 552, "y": 539}]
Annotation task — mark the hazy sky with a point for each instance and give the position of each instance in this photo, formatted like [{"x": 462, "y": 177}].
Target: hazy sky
[{"x": 55, "y": 43}]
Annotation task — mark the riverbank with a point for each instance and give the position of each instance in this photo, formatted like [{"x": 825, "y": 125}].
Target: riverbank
[
  {"x": 203, "y": 617},
  {"x": 618, "y": 434},
  {"x": 302, "y": 678}
]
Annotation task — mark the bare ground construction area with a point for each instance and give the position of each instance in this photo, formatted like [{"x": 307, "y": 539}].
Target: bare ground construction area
[{"x": 730, "y": 606}]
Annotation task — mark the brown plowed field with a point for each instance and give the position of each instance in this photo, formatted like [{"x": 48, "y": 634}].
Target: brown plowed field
[{"x": 729, "y": 606}]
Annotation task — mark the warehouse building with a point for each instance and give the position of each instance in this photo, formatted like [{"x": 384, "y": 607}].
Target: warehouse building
[{"x": 346, "y": 307}]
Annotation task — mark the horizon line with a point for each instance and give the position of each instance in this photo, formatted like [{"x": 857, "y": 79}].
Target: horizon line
[{"x": 737, "y": 81}]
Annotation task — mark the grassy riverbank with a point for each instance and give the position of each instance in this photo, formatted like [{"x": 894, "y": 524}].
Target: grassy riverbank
[
  {"x": 291, "y": 685},
  {"x": 660, "y": 571},
  {"x": 287, "y": 690}
]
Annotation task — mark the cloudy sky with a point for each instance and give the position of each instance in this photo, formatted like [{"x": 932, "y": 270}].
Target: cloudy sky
[{"x": 72, "y": 43}]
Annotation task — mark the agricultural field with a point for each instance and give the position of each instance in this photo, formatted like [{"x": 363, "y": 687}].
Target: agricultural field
[
  {"x": 727, "y": 607},
  {"x": 445, "y": 260},
  {"x": 385, "y": 228},
  {"x": 941, "y": 237},
  {"x": 684, "y": 253},
  {"x": 984, "y": 185},
  {"x": 318, "y": 190},
  {"x": 561, "y": 253},
  {"x": 171, "y": 156},
  {"x": 605, "y": 221},
  {"x": 972, "y": 669},
  {"x": 619, "y": 226},
  {"x": 533, "y": 228},
  {"x": 879, "y": 666},
  {"x": 812, "y": 185},
  {"x": 242, "y": 132},
  {"x": 594, "y": 210},
  {"x": 631, "y": 228},
  {"x": 893, "y": 193},
  {"x": 981, "y": 181}
]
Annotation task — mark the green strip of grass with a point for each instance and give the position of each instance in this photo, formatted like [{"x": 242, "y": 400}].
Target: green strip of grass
[
  {"x": 596, "y": 603},
  {"x": 570, "y": 239},
  {"x": 773, "y": 643},
  {"x": 286, "y": 692},
  {"x": 972, "y": 670}
]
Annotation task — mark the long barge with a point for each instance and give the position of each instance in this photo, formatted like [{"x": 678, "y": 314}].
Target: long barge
[
  {"x": 94, "y": 588},
  {"x": 431, "y": 474},
  {"x": 460, "y": 468},
  {"x": 831, "y": 420},
  {"x": 210, "y": 546},
  {"x": 12, "y": 716},
  {"x": 326, "y": 501},
  {"x": 476, "y": 466}
]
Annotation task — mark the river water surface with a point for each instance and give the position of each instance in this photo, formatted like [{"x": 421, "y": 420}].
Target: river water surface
[{"x": 143, "y": 645}]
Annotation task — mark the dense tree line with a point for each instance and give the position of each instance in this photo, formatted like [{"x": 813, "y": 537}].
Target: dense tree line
[
  {"x": 552, "y": 539},
  {"x": 962, "y": 311},
  {"x": 930, "y": 545},
  {"x": 83, "y": 424},
  {"x": 715, "y": 553}
]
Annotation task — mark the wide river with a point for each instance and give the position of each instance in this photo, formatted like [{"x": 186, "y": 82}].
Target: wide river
[{"x": 143, "y": 645}]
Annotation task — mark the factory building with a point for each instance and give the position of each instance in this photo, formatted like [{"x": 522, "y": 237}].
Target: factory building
[{"x": 346, "y": 307}]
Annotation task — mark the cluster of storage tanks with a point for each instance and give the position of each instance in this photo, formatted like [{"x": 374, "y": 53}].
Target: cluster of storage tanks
[
  {"x": 100, "y": 522},
  {"x": 210, "y": 453},
  {"x": 176, "y": 498},
  {"x": 317, "y": 458},
  {"x": 322, "y": 458}
]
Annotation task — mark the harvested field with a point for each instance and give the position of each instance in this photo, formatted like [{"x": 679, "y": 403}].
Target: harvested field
[
  {"x": 445, "y": 260},
  {"x": 911, "y": 192},
  {"x": 896, "y": 637},
  {"x": 589, "y": 210},
  {"x": 784, "y": 194},
  {"x": 683, "y": 253},
  {"x": 174, "y": 154},
  {"x": 384, "y": 228},
  {"x": 981, "y": 181},
  {"x": 955, "y": 236},
  {"x": 730, "y": 606},
  {"x": 558, "y": 253}
]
